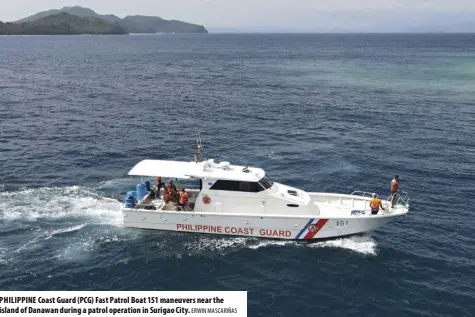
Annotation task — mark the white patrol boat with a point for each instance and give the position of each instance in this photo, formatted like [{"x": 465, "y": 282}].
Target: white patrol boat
[{"x": 244, "y": 201}]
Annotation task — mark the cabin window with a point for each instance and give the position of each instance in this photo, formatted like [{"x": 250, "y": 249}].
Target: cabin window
[
  {"x": 266, "y": 182},
  {"x": 237, "y": 186}
]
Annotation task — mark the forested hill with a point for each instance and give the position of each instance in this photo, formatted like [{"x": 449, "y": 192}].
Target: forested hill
[
  {"x": 131, "y": 23},
  {"x": 62, "y": 24}
]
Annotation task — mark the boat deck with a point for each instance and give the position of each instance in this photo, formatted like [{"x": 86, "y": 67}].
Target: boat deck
[
  {"x": 160, "y": 205},
  {"x": 325, "y": 205},
  {"x": 357, "y": 203}
]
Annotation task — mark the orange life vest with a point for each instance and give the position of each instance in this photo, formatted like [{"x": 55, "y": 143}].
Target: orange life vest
[
  {"x": 183, "y": 198},
  {"x": 167, "y": 193},
  {"x": 374, "y": 203}
]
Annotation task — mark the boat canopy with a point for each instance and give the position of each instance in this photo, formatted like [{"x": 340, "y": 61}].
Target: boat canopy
[
  {"x": 206, "y": 169},
  {"x": 172, "y": 169}
]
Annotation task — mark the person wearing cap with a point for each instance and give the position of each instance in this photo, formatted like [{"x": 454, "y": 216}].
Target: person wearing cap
[
  {"x": 183, "y": 201},
  {"x": 394, "y": 190},
  {"x": 375, "y": 203}
]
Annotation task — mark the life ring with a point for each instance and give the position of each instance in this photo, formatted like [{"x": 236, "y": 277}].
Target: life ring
[{"x": 206, "y": 199}]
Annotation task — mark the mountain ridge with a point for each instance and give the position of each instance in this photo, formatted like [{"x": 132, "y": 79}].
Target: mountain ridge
[
  {"x": 61, "y": 23},
  {"x": 130, "y": 23}
]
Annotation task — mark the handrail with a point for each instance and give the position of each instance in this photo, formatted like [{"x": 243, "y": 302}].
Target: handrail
[
  {"x": 402, "y": 196},
  {"x": 361, "y": 193}
]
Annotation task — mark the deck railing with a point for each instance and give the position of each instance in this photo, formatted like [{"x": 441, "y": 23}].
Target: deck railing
[
  {"x": 402, "y": 196},
  {"x": 361, "y": 193}
]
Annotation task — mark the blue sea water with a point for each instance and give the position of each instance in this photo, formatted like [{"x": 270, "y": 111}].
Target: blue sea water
[{"x": 333, "y": 113}]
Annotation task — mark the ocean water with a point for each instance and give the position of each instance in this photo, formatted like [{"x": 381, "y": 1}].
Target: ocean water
[{"x": 333, "y": 113}]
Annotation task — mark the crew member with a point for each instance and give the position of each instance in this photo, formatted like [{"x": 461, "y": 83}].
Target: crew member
[
  {"x": 167, "y": 194},
  {"x": 173, "y": 185},
  {"x": 394, "y": 190},
  {"x": 159, "y": 182},
  {"x": 183, "y": 201},
  {"x": 375, "y": 203},
  {"x": 159, "y": 186},
  {"x": 173, "y": 191}
]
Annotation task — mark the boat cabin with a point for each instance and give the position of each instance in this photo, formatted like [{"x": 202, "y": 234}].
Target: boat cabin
[{"x": 221, "y": 186}]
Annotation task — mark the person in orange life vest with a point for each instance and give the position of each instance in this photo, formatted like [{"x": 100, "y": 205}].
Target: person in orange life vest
[
  {"x": 375, "y": 203},
  {"x": 183, "y": 201},
  {"x": 394, "y": 190}
]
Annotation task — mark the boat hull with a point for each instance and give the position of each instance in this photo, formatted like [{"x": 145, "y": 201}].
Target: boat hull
[{"x": 276, "y": 227}]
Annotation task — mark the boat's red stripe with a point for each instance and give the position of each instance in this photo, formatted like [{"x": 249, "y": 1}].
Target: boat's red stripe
[{"x": 320, "y": 223}]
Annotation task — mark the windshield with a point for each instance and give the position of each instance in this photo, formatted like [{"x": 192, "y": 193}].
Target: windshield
[
  {"x": 192, "y": 183},
  {"x": 266, "y": 182}
]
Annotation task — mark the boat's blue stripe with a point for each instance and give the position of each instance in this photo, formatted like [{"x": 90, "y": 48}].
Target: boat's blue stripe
[{"x": 304, "y": 228}]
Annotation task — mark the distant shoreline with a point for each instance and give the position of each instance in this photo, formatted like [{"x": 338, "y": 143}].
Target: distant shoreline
[
  {"x": 252, "y": 33},
  {"x": 126, "y": 34}
]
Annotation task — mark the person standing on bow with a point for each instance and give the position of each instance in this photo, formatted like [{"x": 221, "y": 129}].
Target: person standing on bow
[{"x": 394, "y": 190}]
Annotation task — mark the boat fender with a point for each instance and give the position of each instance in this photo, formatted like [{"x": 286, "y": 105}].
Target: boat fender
[{"x": 206, "y": 199}]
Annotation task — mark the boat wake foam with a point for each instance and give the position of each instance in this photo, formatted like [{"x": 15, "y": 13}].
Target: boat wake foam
[
  {"x": 113, "y": 184},
  {"x": 360, "y": 244},
  {"x": 69, "y": 202},
  {"x": 72, "y": 221},
  {"x": 65, "y": 230},
  {"x": 216, "y": 244},
  {"x": 268, "y": 243},
  {"x": 3, "y": 255}
]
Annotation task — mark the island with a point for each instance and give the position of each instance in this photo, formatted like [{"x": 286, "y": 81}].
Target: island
[
  {"x": 78, "y": 20},
  {"x": 61, "y": 24}
]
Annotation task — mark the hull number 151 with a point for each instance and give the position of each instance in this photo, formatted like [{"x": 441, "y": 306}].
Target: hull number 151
[{"x": 342, "y": 223}]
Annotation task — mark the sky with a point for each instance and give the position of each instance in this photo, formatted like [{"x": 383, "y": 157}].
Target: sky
[{"x": 281, "y": 15}]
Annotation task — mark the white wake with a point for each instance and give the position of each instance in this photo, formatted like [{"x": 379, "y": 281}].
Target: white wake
[
  {"x": 73, "y": 202},
  {"x": 76, "y": 218},
  {"x": 360, "y": 244}
]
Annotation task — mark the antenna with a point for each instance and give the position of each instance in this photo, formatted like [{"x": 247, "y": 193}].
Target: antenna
[{"x": 199, "y": 145}]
